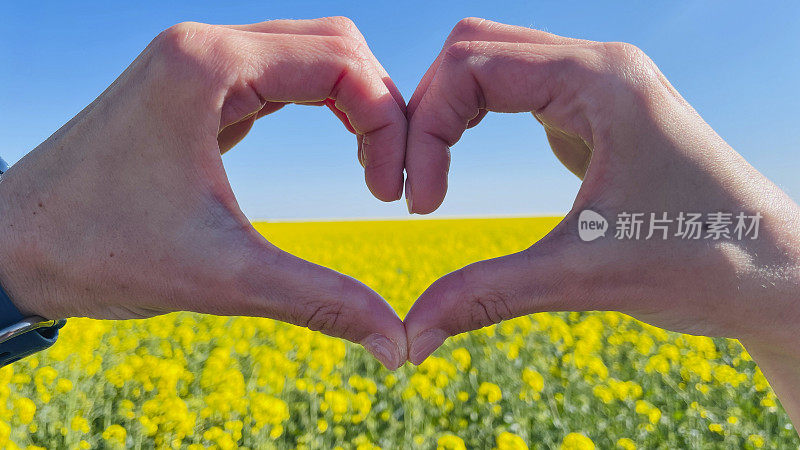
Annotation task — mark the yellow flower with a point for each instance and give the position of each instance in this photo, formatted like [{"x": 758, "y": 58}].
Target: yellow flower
[
  {"x": 625, "y": 390},
  {"x": 768, "y": 402},
  {"x": 276, "y": 432},
  {"x": 25, "y": 409},
  {"x": 646, "y": 408},
  {"x": 336, "y": 401},
  {"x": 213, "y": 433},
  {"x": 5, "y": 432},
  {"x": 148, "y": 427},
  {"x": 657, "y": 363},
  {"x": 715, "y": 427},
  {"x": 626, "y": 444},
  {"x": 533, "y": 379},
  {"x": 63, "y": 385},
  {"x": 322, "y": 425},
  {"x": 510, "y": 441},
  {"x": 577, "y": 441},
  {"x": 490, "y": 392},
  {"x": 726, "y": 374},
  {"x": 759, "y": 381},
  {"x": 756, "y": 440},
  {"x": 78, "y": 423},
  {"x": 603, "y": 393},
  {"x": 267, "y": 410},
  {"x": 115, "y": 434},
  {"x": 450, "y": 442},
  {"x": 462, "y": 357}
]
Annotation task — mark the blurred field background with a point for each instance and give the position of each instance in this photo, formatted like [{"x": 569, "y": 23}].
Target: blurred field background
[{"x": 565, "y": 380}]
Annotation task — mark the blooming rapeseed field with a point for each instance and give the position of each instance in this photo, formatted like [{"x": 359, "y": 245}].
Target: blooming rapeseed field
[{"x": 566, "y": 380}]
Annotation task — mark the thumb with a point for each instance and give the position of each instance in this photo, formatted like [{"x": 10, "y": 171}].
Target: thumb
[
  {"x": 272, "y": 283},
  {"x": 545, "y": 277}
]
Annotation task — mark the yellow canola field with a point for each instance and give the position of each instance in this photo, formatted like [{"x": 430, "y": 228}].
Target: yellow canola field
[{"x": 562, "y": 380}]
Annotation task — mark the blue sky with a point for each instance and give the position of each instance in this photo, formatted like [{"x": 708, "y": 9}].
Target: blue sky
[{"x": 738, "y": 63}]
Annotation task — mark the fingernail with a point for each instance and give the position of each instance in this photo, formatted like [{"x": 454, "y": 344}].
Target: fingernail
[
  {"x": 383, "y": 349},
  {"x": 408, "y": 197},
  {"x": 425, "y": 344},
  {"x": 360, "y": 140}
]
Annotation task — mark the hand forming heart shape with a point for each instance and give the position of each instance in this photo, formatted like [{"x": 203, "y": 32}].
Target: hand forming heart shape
[{"x": 149, "y": 224}]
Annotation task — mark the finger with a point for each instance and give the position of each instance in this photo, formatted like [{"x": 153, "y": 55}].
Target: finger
[
  {"x": 326, "y": 26},
  {"x": 570, "y": 149},
  {"x": 329, "y": 26},
  {"x": 360, "y": 143},
  {"x": 269, "y": 108},
  {"x": 476, "y": 29},
  {"x": 477, "y": 119},
  {"x": 331, "y": 104},
  {"x": 272, "y": 283},
  {"x": 313, "y": 69},
  {"x": 542, "y": 278},
  {"x": 323, "y": 26},
  {"x": 475, "y": 76},
  {"x": 232, "y": 134}
]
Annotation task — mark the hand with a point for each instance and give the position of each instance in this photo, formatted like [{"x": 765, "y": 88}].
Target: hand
[
  {"x": 126, "y": 211},
  {"x": 614, "y": 120}
]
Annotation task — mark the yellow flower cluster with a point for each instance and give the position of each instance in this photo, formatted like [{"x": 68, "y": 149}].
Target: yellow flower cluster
[{"x": 561, "y": 380}]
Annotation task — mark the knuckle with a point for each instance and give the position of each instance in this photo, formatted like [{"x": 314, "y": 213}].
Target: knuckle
[
  {"x": 486, "y": 305},
  {"x": 342, "y": 25},
  {"x": 467, "y": 26},
  {"x": 183, "y": 38},
  {"x": 629, "y": 63},
  {"x": 191, "y": 50},
  {"x": 623, "y": 53},
  {"x": 320, "y": 316},
  {"x": 346, "y": 47},
  {"x": 460, "y": 52},
  {"x": 465, "y": 59},
  {"x": 481, "y": 305},
  {"x": 350, "y": 51},
  {"x": 490, "y": 307}
]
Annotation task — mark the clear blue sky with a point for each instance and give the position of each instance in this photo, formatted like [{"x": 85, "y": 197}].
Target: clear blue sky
[{"x": 738, "y": 63}]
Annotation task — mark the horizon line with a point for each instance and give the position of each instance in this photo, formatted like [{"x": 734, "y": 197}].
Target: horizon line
[{"x": 409, "y": 217}]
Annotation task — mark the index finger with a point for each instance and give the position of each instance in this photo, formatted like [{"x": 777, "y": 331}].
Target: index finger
[
  {"x": 494, "y": 76},
  {"x": 477, "y": 29},
  {"x": 253, "y": 68},
  {"x": 325, "y": 26}
]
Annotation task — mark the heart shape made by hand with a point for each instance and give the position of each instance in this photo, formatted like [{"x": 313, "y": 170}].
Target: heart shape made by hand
[{"x": 148, "y": 222}]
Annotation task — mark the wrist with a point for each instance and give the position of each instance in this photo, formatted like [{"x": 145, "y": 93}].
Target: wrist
[
  {"x": 771, "y": 289},
  {"x": 15, "y": 261},
  {"x": 775, "y": 347}
]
